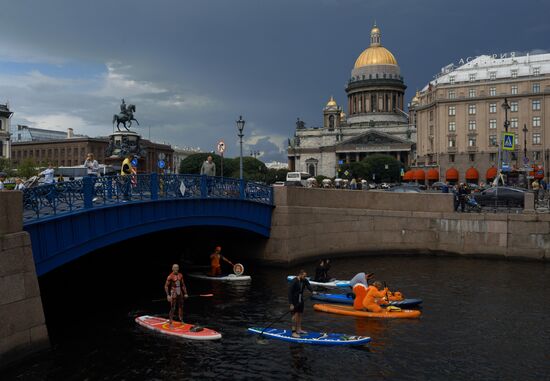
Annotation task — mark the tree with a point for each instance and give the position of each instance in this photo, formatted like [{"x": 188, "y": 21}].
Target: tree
[
  {"x": 27, "y": 168},
  {"x": 383, "y": 167},
  {"x": 274, "y": 175},
  {"x": 192, "y": 164},
  {"x": 6, "y": 166}
]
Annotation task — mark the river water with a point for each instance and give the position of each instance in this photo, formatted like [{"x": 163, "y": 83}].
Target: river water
[{"x": 481, "y": 320}]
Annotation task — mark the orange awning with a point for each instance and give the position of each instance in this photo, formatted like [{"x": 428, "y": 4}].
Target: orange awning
[
  {"x": 491, "y": 173},
  {"x": 433, "y": 175},
  {"x": 409, "y": 176},
  {"x": 451, "y": 174},
  {"x": 472, "y": 174},
  {"x": 419, "y": 175}
]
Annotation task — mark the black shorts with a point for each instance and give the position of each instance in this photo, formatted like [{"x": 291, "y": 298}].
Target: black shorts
[{"x": 298, "y": 308}]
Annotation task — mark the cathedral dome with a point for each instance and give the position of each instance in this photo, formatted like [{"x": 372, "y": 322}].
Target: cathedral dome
[{"x": 375, "y": 54}]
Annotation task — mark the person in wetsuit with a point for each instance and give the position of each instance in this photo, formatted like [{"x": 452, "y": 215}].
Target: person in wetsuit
[
  {"x": 215, "y": 265},
  {"x": 175, "y": 292},
  {"x": 296, "y": 300}
]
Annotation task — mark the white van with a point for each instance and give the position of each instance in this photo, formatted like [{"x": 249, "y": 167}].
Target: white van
[{"x": 293, "y": 178}]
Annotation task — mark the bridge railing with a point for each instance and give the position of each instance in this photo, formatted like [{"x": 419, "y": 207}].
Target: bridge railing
[{"x": 71, "y": 196}]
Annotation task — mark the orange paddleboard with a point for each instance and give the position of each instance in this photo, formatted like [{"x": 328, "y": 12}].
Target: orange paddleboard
[
  {"x": 177, "y": 329},
  {"x": 350, "y": 311}
]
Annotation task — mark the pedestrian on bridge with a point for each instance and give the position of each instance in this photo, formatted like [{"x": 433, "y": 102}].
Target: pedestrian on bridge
[
  {"x": 208, "y": 168},
  {"x": 91, "y": 165},
  {"x": 48, "y": 174},
  {"x": 126, "y": 170}
]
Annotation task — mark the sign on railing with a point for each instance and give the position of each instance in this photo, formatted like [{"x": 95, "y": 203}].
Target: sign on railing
[{"x": 71, "y": 196}]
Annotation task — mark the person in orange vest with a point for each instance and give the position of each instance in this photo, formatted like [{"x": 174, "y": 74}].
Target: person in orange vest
[
  {"x": 215, "y": 265},
  {"x": 376, "y": 295}
]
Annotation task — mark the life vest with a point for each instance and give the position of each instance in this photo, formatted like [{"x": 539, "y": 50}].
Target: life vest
[
  {"x": 360, "y": 292},
  {"x": 126, "y": 162}
]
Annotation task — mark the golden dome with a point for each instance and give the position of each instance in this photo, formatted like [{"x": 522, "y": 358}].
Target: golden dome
[
  {"x": 375, "y": 54},
  {"x": 331, "y": 102}
]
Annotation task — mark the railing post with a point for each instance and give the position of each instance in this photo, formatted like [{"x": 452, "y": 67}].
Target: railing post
[
  {"x": 109, "y": 184},
  {"x": 154, "y": 186},
  {"x": 88, "y": 192},
  {"x": 204, "y": 186},
  {"x": 242, "y": 189},
  {"x": 271, "y": 195}
]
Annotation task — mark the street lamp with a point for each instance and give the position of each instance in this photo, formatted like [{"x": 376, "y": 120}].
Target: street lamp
[
  {"x": 506, "y": 107},
  {"x": 525, "y": 156},
  {"x": 240, "y": 127}
]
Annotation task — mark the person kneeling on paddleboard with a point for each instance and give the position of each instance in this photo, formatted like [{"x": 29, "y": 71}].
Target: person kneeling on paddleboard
[
  {"x": 215, "y": 265},
  {"x": 175, "y": 292},
  {"x": 376, "y": 295},
  {"x": 296, "y": 300}
]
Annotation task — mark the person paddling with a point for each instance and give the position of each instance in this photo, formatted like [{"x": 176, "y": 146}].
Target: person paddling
[
  {"x": 215, "y": 265},
  {"x": 175, "y": 292},
  {"x": 296, "y": 300}
]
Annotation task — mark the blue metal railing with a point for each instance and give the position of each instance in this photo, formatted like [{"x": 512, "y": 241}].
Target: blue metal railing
[{"x": 71, "y": 196}]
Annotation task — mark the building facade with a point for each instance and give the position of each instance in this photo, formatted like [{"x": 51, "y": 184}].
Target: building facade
[
  {"x": 5, "y": 117},
  {"x": 375, "y": 124},
  {"x": 23, "y": 133},
  {"x": 460, "y": 117}
]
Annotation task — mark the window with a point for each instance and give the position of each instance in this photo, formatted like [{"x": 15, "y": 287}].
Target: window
[
  {"x": 492, "y": 124},
  {"x": 514, "y": 73},
  {"x": 472, "y": 157},
  {"x": 1, "y": 127},
  {"x": 536, "y": 87},
  {"x": 492, "y": 75},
  {"x": 452, "y": 142},
  {"x": 514, "y": 89},
  {"x": 536, "y": 121},
  {"x": 452, "y": 79},
  {"x": 516, "y": 141},
  {"x": 536, "y": 105},
  {"x": 471, "y": 109},
  {"x": 452, "y": 126},
  {"x": 471, "y": 141},
  {"x": 431, "y": 130},
  {"x": 536, "y": 138},
  {"x": 492, "y": 156},
  {"x": 451, "y": 158},
  {"x": 492, "y": 91},
  {"x": 514, "y": 106},
  {"x": 536, "y": 71},
  {"x": 451, "y": 94},
  {"x": 431, "y": 115},
  {"x": 492, "y": 140},
  {"x": 472, "y": 77},
  {"x": 452, "y": 110},
  {"x": 471, "y": 125},
  {"x": 472, "y": 93},
  {"x": 492, "y": 108},
  {"x": 537, "y": 155},
  {"x": 514, "y": 122}
]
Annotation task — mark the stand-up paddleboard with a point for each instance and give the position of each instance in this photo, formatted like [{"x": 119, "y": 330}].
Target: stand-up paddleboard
[
  {"x": 315, "y": 338},
  {"x": 347, "y": 299},
  {"x": 331, "y": 284},
  {"x": 229, "y": 277},
  {"x": 184, "y": 330},
  {"x": 350, "y": 311}
]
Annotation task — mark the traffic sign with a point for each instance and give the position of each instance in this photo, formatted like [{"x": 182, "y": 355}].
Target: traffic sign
[
  {"x": 162, "y": 156},
  {"x": 221, "y": 147},
  {"x": 508, "y": 143},
  {"x": 135, "y": 162},
  {"x": 402, "y": 172},
  {"x": 161, "y": 164},
  {"x": 346, "y": 173}
]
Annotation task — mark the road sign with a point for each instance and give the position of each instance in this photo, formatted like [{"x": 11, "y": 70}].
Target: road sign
[
  {"x": 135, "y": 162},
  {"x": 346, "y": 173},
  {"x": 162, "y": 156},
  {"x": 340, "y": 162},
  {"x": 505, "y": 167},
  {"x": 221, "y": 147},
  {"x": 508, "y": 143},
  {"x": 161, "y": 164},
  {"x": 402, "y": 172}
]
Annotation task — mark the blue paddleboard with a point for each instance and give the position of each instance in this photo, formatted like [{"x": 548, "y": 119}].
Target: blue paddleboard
[
  {"x": 345, "y": 299},
  {"x": 315, "y": 338}
]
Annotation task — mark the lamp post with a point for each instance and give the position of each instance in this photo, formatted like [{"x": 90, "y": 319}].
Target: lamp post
[
  {"x": 525, "y": 172},
  {"x": 503, "y": 156},
  {"x": 240, "y": 127}
]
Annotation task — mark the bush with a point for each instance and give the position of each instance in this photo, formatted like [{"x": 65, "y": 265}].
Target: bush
[{"x": 27, "y": 169}]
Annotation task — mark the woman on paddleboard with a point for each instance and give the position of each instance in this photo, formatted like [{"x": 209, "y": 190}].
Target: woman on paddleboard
[
  {"x": 296, "y": 299},
  {"x": 215, "y": 265},
  {"x": 175, "y": 292}
]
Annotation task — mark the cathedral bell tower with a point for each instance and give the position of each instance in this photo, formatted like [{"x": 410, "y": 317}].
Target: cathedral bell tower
[{"x": 332, "y": 115}]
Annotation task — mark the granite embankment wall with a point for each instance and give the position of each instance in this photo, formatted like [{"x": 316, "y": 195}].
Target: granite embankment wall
[
  {"x": 22, "y": 325},
  {"x": 310, "y": 223}
]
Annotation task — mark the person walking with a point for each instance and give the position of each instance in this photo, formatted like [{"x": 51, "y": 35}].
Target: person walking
[
  {"x": 126, "y": 171},
  {"x": 91, "y": 165},
  {"x": 175, "y": 292},
  {"x": 296, "y": 300},
  {"x": 48, "y": 174},
  {"x": 208, "y": 168},
  {"x": 19, "y": 184}
]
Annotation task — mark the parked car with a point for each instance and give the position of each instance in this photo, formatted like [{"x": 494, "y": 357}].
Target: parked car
[
  {"x": 501, "y": 196},
  {"x": 405, "y": 189}
]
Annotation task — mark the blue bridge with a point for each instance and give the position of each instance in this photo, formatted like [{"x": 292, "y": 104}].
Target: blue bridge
[{"x": 69, "y": 219}]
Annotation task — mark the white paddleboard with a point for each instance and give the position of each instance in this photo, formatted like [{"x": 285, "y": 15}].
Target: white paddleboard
[{"x": 225, "y": 278}]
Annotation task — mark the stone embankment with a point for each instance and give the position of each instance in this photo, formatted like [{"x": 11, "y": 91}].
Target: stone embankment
[{"x": 312, "y": 223}]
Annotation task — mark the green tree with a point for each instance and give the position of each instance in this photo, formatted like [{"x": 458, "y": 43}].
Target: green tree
[
  {"x": 27, "y": 168},
  {"x": 383, "y": 167},
  {"x": 274, "y": 175},
  {"x": 6, "y": 166},
  {"x": 192, "y": 164}
]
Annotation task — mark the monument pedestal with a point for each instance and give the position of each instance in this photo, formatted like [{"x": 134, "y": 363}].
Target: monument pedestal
[{"x": 122, "y": 144}]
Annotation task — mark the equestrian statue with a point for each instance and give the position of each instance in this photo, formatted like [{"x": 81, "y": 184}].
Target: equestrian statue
[{"x": 126, "y": 116}]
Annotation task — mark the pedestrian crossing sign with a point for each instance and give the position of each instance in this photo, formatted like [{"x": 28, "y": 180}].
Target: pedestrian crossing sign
[{"x": 508, "y": 143}]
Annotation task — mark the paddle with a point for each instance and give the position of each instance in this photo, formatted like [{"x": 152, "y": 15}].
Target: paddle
[
  {"x": 273, "y": 322},
  {"x": 189, "y": 296}
]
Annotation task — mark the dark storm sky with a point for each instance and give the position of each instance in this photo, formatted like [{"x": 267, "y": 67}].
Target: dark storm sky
[{"x": 193, "y": 66}]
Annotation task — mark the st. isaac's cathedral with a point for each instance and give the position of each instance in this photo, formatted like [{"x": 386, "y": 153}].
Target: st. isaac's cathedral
[{"x": 375, "y": 124}]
